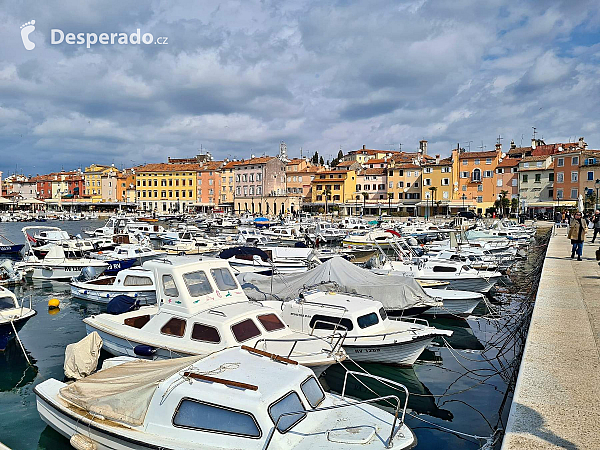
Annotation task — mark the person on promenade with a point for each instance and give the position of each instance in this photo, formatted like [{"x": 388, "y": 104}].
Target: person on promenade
[
  {"x": 596, "y": 221},
  {"x": 577, "y": 232}
]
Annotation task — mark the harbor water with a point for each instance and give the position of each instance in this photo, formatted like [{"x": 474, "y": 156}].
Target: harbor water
[{"x": 460, "y": 389}]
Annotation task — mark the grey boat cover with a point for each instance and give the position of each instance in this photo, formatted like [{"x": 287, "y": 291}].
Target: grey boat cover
[{"x": 393, "y": 291}]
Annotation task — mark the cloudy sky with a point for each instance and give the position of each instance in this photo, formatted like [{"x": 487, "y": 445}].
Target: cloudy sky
[{"x": 236, "y": 78}]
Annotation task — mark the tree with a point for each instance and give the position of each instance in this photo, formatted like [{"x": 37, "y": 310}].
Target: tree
[
  {"x": 340, "y": 155},
  {"x": 321, "y": 162},
  {"x": 433, "y": 190},
  {"x": 514, "y": 205},
  {"x": 315, "y": 158},
  {"x": 365, "y": 196},
  {"x": 504, "y": 202}
]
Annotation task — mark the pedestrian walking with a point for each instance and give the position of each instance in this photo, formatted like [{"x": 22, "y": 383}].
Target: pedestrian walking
[
  {"x": 596, "y": 221},
  {"x": 577, "y": 232}
]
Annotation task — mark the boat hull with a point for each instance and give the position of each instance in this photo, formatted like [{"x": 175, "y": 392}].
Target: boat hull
[
  {"x": 475, "y": 284},
  {"x": 105, "y": 296},
  {"x": 400, "y": 353},
  {"x": 11, "y": 249}
]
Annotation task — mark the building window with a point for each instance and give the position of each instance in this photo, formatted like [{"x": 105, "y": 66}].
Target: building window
[
  {"x": 499, "y": 182},
  {"x": 488, "y": 174},
  {"x": 407, "y": 185},
  {"x": 358, "y": 187},
  {"x": 499, "y": 170},
  {"x": 445, "y": 195},
  {"x": 514, "y": 182},
  {"x": 464, "y": 187},
  {"x": 488, "y": 160},
  {"x": 550, "y": 193},
  {"x": 575, "y": 160},
  {"x": 476, "y": 162},
  {"x": 446, "y": 169},
  {"x": 464, "y": 174},
  {"x": 574, "y": 177},
  {"x": 476, "y": 174},
  {"x": 551, "y": 176},
  {"x": 465, "y": 162},
  {"x": 574, "y": 193},
  {"x": 445, "y": 181},
  {"x": 400, "y": 184},
  {"x": 427, "y": 182},
  {"x": 526, "y": 165},
  {"x": 538, "y": 177},
  {"x": 590, "y": 176},
  {"x": 427, "y": 170},
  {"x": 559, "y": 193},
  {"x": 480, "y": 188},
  {"x": 479, "y": 199},
  {"x": 560, "y": 162},
  {"x": 524, "y": 178}
]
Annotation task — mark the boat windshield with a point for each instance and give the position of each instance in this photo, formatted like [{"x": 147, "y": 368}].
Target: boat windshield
[
  {"x": 288, "y": 404},
  {"x": 6, "y": 303},
  {"x": 197, "y": 283},
  {"x": 313, "y": 392},
  {"x": 368, "y": 320}
]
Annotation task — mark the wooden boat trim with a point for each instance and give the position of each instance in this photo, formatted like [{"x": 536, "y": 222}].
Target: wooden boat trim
[
  {"x": 269, "y": 355},
  {"x": 197, "y": 376}
]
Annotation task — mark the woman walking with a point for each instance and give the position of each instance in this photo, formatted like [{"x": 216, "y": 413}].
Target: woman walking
[{"x": 577, "y": 235}]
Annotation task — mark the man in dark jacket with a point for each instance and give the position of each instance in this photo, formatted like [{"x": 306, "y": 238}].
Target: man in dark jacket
[{"x": 596, "y": 222}]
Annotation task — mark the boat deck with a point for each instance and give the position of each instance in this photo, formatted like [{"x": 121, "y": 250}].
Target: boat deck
[{"x": 557, "y": 397}]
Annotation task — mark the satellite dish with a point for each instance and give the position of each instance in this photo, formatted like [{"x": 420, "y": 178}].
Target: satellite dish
[{"x": 456, "y": 183}]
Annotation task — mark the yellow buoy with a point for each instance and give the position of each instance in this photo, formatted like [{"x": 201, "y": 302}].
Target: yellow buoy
[{"x": 53, "y": 303}]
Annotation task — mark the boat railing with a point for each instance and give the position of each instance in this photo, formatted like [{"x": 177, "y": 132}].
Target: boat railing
[
  {"x": 411, "y": 319},
  {"x": 389, "y": 442},
  {"x": 334, "y": 347}
]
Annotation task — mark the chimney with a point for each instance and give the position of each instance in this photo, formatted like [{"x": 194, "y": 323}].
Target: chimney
[
  {"x": 498, "y": 147},
  {"x": 364, "y": 147},
  {"x": 581, "y": 143},
  {"x": 423, "y": 147},
  {"x": 512, "y": 144},
  {"x": 533, "y": 143},
  {"x": 437, "y": 159}
]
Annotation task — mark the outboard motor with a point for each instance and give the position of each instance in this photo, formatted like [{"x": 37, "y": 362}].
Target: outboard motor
[{"x": 87, "y": 274}]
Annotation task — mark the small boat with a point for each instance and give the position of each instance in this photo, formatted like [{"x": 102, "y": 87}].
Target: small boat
[
  {"x": 56, "y": 266},
  {"x": 455, "y": 303},
  {"x": 9, "y": 275},
  {"x": 232, "y": 399},
  {"x": 8, "y": 247},
  {"x": 125, "y": 256},
  {"x": 370, "y": 334},
  {"x": 12, "y": 315},
  {"x": 201, "y": 309},
  {"x": 262, "y": 222},
  {"x": 136, "y": 283}
]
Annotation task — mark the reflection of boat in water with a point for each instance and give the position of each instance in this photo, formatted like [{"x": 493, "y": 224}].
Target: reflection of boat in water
[
  {"x": 15, "y": 370},
  {"x": 463, "y": 337},
  {"x": 420, "y": 398}
]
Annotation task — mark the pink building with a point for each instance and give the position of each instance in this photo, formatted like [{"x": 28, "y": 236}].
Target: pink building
[
  {"x": 373, "y": 182},
  {"x": 507, "y": 177},
  {"x": 260, "y": 187}
]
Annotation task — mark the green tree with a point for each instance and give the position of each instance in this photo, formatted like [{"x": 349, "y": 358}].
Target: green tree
[
  {"x": 321, "y": 162},
  {"x": 315, "y": 158}
]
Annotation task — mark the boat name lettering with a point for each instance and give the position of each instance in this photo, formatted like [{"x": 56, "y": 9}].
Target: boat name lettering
[{"x": 366, "y": 350}]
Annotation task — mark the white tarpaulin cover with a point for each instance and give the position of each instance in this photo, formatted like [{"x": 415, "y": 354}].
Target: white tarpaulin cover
[
  {"x": 123, "y": 392},
  {"x": 81, "y": 358},
  {"x": 393, "y": 291}
]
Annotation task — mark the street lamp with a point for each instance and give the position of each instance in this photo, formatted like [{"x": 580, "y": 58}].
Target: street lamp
[
  {"x": 597, "y": 184},
  {"x": 464, "y": 197}
]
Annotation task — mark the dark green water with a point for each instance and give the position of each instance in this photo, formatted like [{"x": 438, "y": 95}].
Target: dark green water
[{"x": 455, "y": 389}]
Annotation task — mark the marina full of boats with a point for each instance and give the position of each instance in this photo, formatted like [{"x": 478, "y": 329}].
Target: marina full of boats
[{"x": 244, "y": 333}]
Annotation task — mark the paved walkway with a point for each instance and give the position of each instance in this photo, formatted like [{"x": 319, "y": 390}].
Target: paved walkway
[{"x": 557, "y": 398}]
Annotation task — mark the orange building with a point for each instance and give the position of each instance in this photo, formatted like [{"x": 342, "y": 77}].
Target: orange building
[
  {"x": 209, "y": 184},
  {"x": 476, "y": 181}
]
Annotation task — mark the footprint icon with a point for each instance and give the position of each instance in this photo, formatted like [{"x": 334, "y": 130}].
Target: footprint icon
[{"x": 26, "y": 30}]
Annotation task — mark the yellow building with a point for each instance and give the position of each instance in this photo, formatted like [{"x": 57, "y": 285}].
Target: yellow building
[
  {"x": 340, "y": 185},
  {"x": 93, "y": 181},
  {"x": 167, "y": 187},
  {"x": 437, "y": 186}
]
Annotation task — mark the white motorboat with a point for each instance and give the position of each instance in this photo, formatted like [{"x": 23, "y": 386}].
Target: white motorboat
[
  {"x": 268, "y": 259},
  {"x": 459, "y": 277},
  {"x": 201, "y": 309},
  {"x": 193, "y": 245},
  {"x": 56, "y": 266},
  {"x": 232, "y": 399},
  {"x": 370, "y": 334},
  {"x": 140, "y": 253},
  {"x": 136, "y": 283},
  {"x": 455, "y": 303},
  {"x": 283, "y": 234},
  {"x": 12, "y": 315}
]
